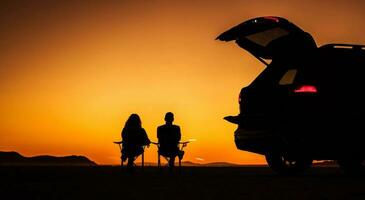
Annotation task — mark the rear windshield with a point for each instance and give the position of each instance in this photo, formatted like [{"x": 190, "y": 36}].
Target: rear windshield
[
  {"x": 288, "y": 77},
  {"x": 265, "y": 37}
]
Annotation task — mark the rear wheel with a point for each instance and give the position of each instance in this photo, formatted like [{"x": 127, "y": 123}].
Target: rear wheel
[{"x": 283, "y": 164}]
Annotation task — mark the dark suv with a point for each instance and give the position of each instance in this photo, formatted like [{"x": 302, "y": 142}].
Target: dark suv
[{"x": 307, "y": 104}]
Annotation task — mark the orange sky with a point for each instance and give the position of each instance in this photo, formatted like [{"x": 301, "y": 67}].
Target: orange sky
[{"x": 71, "y": 72}]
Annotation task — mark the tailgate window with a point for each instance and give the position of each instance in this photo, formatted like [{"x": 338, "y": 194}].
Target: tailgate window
[
  {"x": 288, "y": 77},
  {"x": 265, "y": 37}
]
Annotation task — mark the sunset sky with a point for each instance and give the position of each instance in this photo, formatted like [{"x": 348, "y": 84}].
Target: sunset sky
[{"x": 71, "y": 72}]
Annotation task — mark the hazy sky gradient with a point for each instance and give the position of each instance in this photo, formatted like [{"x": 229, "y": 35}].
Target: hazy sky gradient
[{"x": 71, "y": 72}]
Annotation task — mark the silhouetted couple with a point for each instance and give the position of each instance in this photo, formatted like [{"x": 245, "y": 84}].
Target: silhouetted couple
[{"x": 135, "y": 139}]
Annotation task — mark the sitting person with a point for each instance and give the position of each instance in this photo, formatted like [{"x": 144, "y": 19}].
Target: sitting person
[
  {"x": 134, "y": 138},
  {"x": 168, "y": 138}
]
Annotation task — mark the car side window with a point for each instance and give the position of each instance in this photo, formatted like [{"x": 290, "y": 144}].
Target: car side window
[{"x": 288, "y": 77}]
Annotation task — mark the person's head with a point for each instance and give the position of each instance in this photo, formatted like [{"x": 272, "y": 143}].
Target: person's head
[
  {"x": 133, "y": 121},
  {"x": 169, "y": 118}
]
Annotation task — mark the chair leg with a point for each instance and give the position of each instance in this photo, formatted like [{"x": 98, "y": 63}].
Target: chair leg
[
  {"x": 158, "y": 160},
  {"x": 171, "y": 161},
  {"x": 143, "y": 160},
  {"x": 121, "y": 155}
]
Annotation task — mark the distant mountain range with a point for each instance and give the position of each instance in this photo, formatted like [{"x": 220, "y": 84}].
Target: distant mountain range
[
  {"x": 212, "y": 164},
  {"x": 14, "y": 158},
  {"x": 192, "y": 164}
]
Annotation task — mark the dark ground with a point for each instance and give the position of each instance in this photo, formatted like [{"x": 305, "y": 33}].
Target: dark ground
[{"x": 192, "y": 183}]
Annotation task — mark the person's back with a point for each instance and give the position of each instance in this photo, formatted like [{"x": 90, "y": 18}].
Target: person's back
[
  {"x": 134, "y": 138},
  {"x": 168, "y": 137}
]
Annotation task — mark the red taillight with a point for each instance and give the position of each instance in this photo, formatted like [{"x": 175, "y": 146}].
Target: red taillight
[
  {"x": 306, "y": 89},
  {"x": 272, "y": 18}
]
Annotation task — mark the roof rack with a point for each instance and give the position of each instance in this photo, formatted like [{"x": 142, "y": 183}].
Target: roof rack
[{"x": 344, "y": 46}]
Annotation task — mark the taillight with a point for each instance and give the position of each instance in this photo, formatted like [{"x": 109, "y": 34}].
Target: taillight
[
  {"x": 306, "y": 89},
  {"x": 239, "y": 98},
  {"x": 275, "y": 19}
]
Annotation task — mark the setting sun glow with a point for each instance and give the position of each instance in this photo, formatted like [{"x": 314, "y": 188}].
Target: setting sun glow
[{"x": 71, "y": 72}]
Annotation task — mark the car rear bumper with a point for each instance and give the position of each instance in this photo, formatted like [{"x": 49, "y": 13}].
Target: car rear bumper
[{"x": 256, "y": 141}]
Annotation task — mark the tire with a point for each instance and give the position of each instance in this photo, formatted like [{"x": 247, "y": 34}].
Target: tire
[
  {"x": 352, "y": 166},
  {"x": 281, "y": 164}
]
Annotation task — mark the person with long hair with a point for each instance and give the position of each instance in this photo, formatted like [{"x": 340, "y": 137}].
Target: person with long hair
[{"x": 134, "y": 139}]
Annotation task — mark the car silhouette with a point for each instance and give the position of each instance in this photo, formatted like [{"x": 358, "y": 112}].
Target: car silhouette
[{"x": 307, "y": 104}]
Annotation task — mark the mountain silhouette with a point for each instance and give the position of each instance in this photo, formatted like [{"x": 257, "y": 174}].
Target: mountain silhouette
[
  {"x": 14, "y": 158},
  {"x": 193, "y": 164}
]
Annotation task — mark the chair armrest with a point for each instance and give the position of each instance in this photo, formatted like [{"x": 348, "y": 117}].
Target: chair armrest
[
  {"x": 155, "y": 143},
  {"x": 184, "y": 143}
]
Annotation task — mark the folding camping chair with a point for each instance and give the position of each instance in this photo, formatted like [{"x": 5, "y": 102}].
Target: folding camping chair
[
  {"x": 120, "y": 144},
  {"x": 180, "y": 155}
]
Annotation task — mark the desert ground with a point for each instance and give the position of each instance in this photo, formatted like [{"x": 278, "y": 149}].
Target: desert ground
[{"x": 112, "y": 182}]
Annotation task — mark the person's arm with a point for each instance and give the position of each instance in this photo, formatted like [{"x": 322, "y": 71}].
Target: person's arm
[
  {"x": 124, "y": 134},
  {"x": 146, "y": 139},
  {"x": 178, "y": 134},
  {"x": 124, "y": 137},
  {"x": 158, "y": 134}
]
